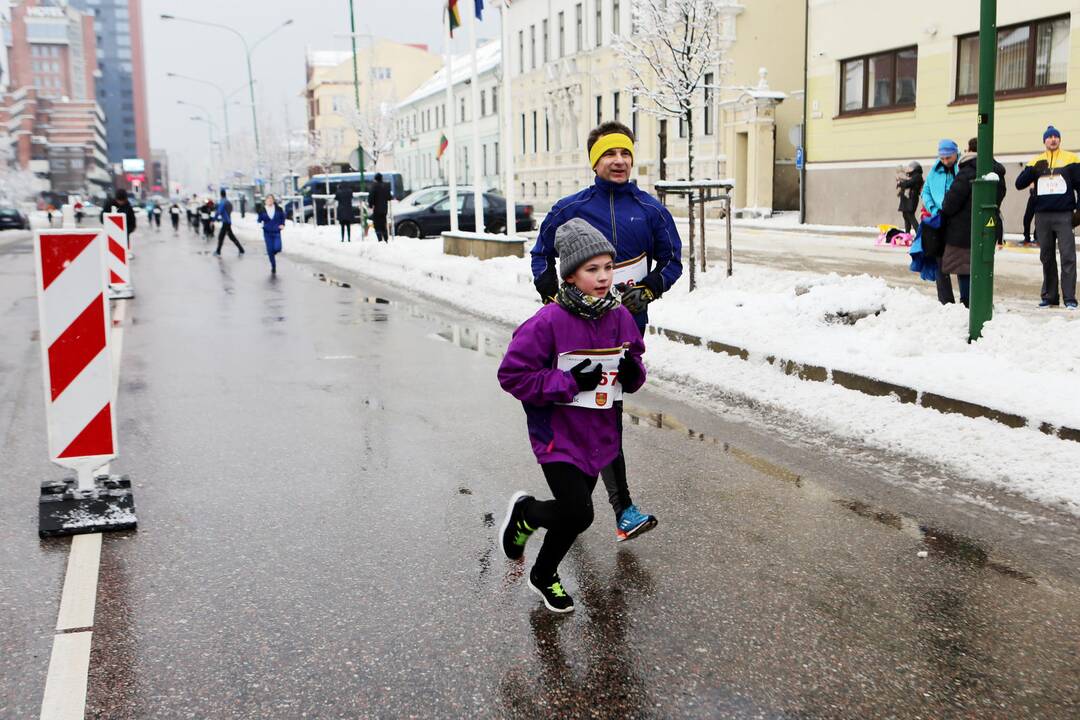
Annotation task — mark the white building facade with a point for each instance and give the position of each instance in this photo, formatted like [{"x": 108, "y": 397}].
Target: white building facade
[{"x": 423, "y": 117}]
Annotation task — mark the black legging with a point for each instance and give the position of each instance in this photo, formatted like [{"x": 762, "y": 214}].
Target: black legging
[
  {"x": 346, "y": 231},
  {"x": 226, "y": 231},
  {"x": 1029, "y": 215},
  {"x": 909, "y": 220},
  {"x": 379, "y": 221},
  {"x": 565, "y": 517}
]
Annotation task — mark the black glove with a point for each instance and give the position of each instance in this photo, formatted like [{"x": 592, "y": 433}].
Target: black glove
[
  {"x": 547, "y": 285},
  {"x": 637, "y": 298},
  {"x": 629, "y": 372},
  {"x": 587, "y": 381},
  {"x": 1041, "y": 166}
]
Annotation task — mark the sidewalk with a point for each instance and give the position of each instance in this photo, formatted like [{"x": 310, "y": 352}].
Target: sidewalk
[{"x": 1026, "y": 366}]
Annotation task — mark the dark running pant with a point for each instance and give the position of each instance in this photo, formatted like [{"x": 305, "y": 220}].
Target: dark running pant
[
  {"x": 379, "y": 221},
  {"x": 175, "y": 222},
  {"x": 565, "y": 517},
  {"x": 226, "y": 231},
  {"x": 346, "y": 231},
  {"x": 944, "y": 288},
  {"x": 909, "y": 221},
  {"x": 1029, "y": 215},
  {"x": 1056, "y": 228},
  {"x": 614, "y": 476}
]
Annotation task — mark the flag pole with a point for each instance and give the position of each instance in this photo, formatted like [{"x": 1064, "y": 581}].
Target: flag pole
[
  {"x": 507, "y": 122},
  {"x": 449, "y": 119},
  {"x": 477, "y": 178}
]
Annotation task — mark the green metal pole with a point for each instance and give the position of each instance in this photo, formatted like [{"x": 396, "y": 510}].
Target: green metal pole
[
  {"x": 984, "y": 210},
  {"x": 356, "y": 92}
]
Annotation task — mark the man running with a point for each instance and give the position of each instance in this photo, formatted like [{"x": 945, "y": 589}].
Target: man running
[
  {"x": 224, "y": 214},
  {"x": 648, "y": 261}
]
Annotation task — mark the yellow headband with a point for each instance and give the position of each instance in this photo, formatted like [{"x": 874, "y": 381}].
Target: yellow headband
[{"x": 608, "y": 142}]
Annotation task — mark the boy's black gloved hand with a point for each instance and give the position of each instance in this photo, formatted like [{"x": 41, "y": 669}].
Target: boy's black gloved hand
[
  {"x": 637, "y": 298},
  {"x": 587, "y": 381},
  {"x": 629, "y": 372},
  {"x": 547, "y": 285}
]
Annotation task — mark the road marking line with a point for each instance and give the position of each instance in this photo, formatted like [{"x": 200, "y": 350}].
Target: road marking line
[
  {"x": 80, "y": 584},
  {"x": 69, "y": 664},
  {"x": 65, "y": 685}
]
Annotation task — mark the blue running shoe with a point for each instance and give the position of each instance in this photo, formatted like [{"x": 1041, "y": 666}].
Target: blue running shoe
[{"x": 633, "y": 522}]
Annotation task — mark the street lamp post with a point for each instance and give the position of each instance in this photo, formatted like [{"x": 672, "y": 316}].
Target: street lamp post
[
  {"x": 225, "y": 97},
  {"x": 984, "y": 210},
  {"x": 248, "y": 49}
]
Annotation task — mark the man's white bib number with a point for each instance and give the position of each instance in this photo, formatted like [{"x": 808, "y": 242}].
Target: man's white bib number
[
  {"x": 1051, "y": 185},
  {"x": 632, "y": 271},
  {"x": 609, "y": 390}
]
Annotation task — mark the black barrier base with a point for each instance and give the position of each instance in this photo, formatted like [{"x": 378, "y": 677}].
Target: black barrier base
[{"x": 65, "y": 510}]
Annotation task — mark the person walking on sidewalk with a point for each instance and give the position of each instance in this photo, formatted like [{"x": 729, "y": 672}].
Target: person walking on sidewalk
[
  {"x": 379, "y": 202},
  {"x": 243, "y": 205},
  {"x": 224, "y": 214},
  {"x": 571, "y": 443},
  {"x": 346, "y": 215},
  {"x": 908, "y": 188},
  {"x": 120, "y": 203},
  {"x": 174, "y": 216},
  {"x": 272, "y": 219},
  {"x": 1056, "y": 178},
  {"x": 956, "y": 213},
  {"x": 938, "y": 182},
  {"x": 648, "y": 261}
]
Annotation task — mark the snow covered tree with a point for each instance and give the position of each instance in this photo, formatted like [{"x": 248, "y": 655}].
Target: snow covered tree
[
  {"x": 673, "y": 44},
  {"x": 375, "y": 127},
  {"x": 16, "y": 184}
]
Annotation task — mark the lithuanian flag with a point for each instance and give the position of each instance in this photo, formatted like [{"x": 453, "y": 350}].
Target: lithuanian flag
[
  {"x": 455, "y": 17},
  {"x": 443, "y": 144}
]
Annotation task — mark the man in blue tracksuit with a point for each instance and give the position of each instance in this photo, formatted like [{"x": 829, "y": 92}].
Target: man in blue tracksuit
[
  {"x": 224, "y": 214},
  {"x": 648, "y": 261}
]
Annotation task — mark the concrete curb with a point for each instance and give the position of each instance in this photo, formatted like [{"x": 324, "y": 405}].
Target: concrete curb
[{"x": 873, "y": 386}]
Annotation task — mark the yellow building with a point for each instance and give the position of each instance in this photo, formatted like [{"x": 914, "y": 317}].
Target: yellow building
[
  {"x": 388, "y": 72},
  {"x": 567, "y": 77},
  {"x": 886, "y": 81}
]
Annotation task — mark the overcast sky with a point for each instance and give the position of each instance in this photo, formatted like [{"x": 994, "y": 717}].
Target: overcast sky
[{"x": 278, "y": 63}]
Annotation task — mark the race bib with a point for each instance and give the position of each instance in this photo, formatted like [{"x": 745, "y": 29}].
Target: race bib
[
  {"x": 609, "y": 390},
  {"x": 632, "y": 271},
  {"x": 1051, "y": 185}
]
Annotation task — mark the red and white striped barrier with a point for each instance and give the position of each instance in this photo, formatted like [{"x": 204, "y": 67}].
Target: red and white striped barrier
[
  {"x": 73, "y": 311},
  {"x": 119, "y": 252}
]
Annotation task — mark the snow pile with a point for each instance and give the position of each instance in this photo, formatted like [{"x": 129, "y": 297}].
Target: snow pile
[{"x": 1024, "y": 365}]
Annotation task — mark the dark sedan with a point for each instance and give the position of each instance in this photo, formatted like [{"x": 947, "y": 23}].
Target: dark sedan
[
  {"x": 12, "y": 219},
  {"x": 434, "y": 218}
]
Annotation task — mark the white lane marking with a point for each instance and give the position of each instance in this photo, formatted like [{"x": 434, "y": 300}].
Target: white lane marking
[
  {"x": 69, "y": 664},
  {"x": 65, "y": 685},
  {"x": 80, "y": 584}
]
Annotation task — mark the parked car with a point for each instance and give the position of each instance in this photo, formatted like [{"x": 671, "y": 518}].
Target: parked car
[
  {"x": 330, "y": 184},
  {"x": 434, "y": 218},
  {"x": 426, "y": 196},
  {"x": 12, "y": 219}
]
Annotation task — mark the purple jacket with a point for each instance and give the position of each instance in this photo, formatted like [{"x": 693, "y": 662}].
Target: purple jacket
[{"x": 586, "y": 438}]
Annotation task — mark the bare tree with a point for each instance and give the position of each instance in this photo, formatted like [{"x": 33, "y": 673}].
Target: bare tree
[
  {"x": 17, "y": 185},
  {"x": 375, "y": 127},
  {"x": 674, "y": 43}
]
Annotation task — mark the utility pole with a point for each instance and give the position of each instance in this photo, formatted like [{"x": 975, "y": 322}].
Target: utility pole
[
  {"x": 356, "y": 92},
  {"x": 984, "y": 210}
]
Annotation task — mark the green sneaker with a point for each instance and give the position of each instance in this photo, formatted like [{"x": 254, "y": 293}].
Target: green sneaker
[
  {"x": 555, "y": 597},
  {"x": 515, "y": 531}
]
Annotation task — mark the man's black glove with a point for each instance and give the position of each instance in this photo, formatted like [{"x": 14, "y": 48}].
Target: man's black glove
[
  {"x": 1041, "y": 166},
  {"x": 587, "y": 381},
  {"x": 547, "y": 285},
  {"x": 637, "y": 298},
  {"x": 629, "y": 372}
]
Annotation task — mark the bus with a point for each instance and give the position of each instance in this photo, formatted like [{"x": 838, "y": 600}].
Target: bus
[{"x": 329, "y": 184}]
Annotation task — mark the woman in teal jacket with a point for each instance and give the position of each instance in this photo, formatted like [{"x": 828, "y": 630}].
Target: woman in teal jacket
[{"x": 941, "y": 177}]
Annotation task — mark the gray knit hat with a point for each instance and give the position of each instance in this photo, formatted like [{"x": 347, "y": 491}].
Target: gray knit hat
[{"x": 576, "y": 241}]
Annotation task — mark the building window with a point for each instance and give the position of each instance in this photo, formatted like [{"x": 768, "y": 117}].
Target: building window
[
  {"x": 562, "y": 34},
  {"x": 614, "y": 17},
  {"x": 521, "y": 51},
  {"x": 483, "y": 103},
  {"x": 633, "y": 114},
  {"x": 494, "y": 99},
  {"x": 495, "y": 151},
  {"x": 547, "y": 133},
  {"x": 1031, "y": 57},
  {"x": 880, "y": 81},
  {"x": 483, "y": 168},
  {"x": 532, "y": 47},
  {"x": 544, "y": 40},
  {"x": 708, "y": 102},
  {"x": 462, "y": 109},
  {"x": 599, "y": 109},
  {"x": 579, "y": 28},
  {"x": 535, "y": 133},
  {"x": 599, "y": 23},
  {"x": 615, "y": 106},
  {"x": 522, "y": 135}
]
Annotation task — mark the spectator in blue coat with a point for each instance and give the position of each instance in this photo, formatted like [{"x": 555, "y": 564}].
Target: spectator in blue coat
[
  {"x": 272, "y": 219},
  {"x": 648, "y": 261},
  {"x": 938, "y": 182}
]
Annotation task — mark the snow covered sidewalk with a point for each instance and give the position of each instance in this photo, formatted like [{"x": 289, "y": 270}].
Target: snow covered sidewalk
[{"x": 1026, "y": 366}]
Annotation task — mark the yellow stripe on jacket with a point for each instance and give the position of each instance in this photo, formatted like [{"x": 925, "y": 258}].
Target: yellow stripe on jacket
[{"x": 1056, "y": 159}]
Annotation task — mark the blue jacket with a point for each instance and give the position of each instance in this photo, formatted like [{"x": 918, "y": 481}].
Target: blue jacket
[
  {"x": 937, "y": 184},
  {"x": 271, "y": 226},
  {"x": 224, "y": 211},
  {"x": 635, "y": 223}
]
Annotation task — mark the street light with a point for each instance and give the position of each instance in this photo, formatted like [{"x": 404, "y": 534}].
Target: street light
[
  {"x": 248, "y": 49},
  {"x": 210, "y": 130},
  {"x": 224, "y": 98}
]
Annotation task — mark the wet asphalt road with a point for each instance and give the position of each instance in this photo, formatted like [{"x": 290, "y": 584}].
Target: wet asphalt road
[{"x": 318, "y": 481}]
